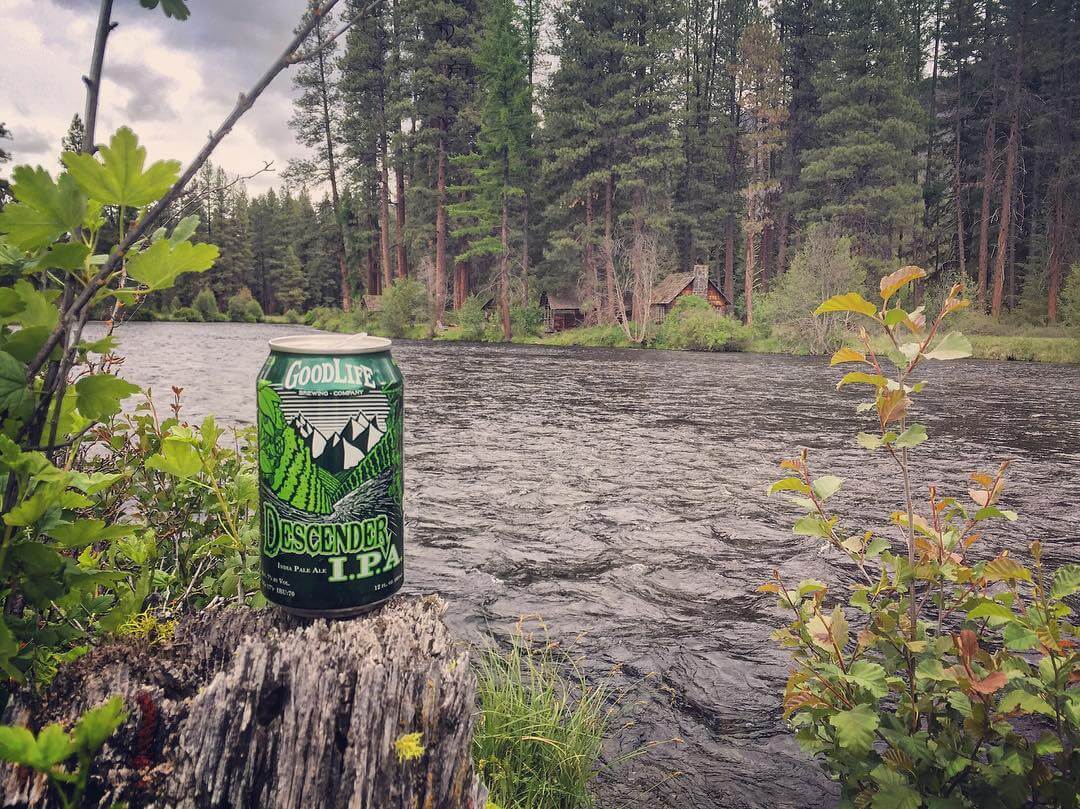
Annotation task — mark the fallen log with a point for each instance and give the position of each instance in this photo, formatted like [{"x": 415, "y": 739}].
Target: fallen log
[{"x": 244, "y": 708}]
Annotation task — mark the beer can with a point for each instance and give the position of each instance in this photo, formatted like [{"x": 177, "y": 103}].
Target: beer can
[{"x": 330, "y": 473}]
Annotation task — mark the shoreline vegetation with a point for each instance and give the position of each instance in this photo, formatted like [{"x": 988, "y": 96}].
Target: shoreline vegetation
[{"x": 990, "y": 340}]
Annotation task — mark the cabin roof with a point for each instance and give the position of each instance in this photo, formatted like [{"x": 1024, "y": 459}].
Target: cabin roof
[
  {"x": 669, "y": 288},
  {"x": 373, "y": 303},
  {"x": 562, "y": 300}
]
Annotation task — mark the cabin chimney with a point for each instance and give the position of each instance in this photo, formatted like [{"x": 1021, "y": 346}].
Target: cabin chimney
[{"x": 701, "y": 280}]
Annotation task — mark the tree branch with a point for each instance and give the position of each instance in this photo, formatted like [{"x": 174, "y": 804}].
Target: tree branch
[
  {"x": 146, "y": 224},
  {"x": 303, "y": 57}
]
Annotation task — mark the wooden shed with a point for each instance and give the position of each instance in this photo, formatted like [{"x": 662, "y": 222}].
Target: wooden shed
[
  {"x": 668, "y": 291},
  {"x": 562, "y": 310}
]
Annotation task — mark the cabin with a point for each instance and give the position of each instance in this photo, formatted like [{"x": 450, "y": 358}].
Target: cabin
[
  {"x": 562, "y": 310},
  {"x": 667, "y": 292}
]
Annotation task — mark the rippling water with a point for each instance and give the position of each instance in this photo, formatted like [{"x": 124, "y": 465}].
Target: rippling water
[{"x": 620, "y": 495}]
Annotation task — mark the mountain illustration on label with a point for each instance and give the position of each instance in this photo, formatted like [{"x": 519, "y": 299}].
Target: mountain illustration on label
[{"x": 343, "y": 449}]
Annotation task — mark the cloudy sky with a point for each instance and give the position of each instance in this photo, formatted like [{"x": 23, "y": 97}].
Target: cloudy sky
[{"x": 172, "y": 82}]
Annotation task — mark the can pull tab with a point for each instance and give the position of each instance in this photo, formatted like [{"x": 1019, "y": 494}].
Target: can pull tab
[{"x": 358, "y": 337}]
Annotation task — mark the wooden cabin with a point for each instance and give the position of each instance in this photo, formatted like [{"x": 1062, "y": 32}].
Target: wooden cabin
[
  {"x": 667, "y": 292},
  {"x": 562, "y": 310}
]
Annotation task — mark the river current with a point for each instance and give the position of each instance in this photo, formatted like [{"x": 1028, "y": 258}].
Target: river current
[{"x": 619, "y": 496}]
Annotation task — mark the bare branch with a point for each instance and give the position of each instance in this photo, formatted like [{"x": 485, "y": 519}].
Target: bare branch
[
  {"x": 303, "y": 57},
  {"x": 146, "y": 224}
]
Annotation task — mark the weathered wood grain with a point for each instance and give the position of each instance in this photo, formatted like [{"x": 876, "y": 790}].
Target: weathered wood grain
[{"x": 259, "y": 709}]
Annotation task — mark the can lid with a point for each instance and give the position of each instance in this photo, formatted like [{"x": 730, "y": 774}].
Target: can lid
[{"x": 362, "y": 343}]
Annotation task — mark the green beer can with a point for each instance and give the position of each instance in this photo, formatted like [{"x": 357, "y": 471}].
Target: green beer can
[{"x": 330, "y": 474}]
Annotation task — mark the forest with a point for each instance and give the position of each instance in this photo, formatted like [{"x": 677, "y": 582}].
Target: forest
[{"x": 511, "y": 146}]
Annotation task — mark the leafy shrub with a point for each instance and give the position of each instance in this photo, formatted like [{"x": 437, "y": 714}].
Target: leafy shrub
[
  {"x": 206, "y": 305},
  {"x": 188, "y": 315},
  {"x": 472, "y": 319},
  {"x": 948, "y": 680},
  {"x": 694, "y": 324},
  {"x": 404, "y": 305},
  {"x": 539, "y": 736},
  {"x": 292, "y": 316},
  {"x": 1070, "y": 301},
  {"x": 596, "y": 336},
  {"x": 526, "y": 321},
  {"x": 823, "y": 266},
  {"x": 243, "y": 308}
]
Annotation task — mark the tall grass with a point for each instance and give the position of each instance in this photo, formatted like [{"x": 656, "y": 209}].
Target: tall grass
[{"x": 539, "y": 734}]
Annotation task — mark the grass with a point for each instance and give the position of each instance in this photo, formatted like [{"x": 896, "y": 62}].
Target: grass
[
  {"x": 594, "y": 336},
  {"x": 1022, "y": 347},
  {"x": 539, "y": 735}
]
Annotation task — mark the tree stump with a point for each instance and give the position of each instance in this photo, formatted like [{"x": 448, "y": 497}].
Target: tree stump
[{"x": 246, "y": 708}]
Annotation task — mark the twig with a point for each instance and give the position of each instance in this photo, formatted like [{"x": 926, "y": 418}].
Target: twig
[
  {"x": 303, "y": 57},
  {"x": 150, "y": 219}
]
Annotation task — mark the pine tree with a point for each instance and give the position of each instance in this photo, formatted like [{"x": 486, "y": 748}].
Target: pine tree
[
  {"x": 316, "y": 126},
  {"x": 861, "y": 177},
  {"x": 289, "y": 282},
  {"x": 502, "y": 144},
  {"x": 444, "y": 83},
  {"x": 73, "y": 138},
  {"x": 233, "y": 268}
]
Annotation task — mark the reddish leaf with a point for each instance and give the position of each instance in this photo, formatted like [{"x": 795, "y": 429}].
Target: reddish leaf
[{"x": 994, "y": 681}]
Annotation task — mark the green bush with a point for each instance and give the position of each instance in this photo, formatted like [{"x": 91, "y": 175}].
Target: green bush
[
  {"x": 526, "y": 321},
  {"x": 611, "y": 336},
  {"x": 206, "y": 304},
  {"x": 539, "y": 735},
  {"x": 404, "y": 306},
  {"x": 1070, "y": 301},
  {"x": 694, "y": 324},
  {"x": 946, "y": 680},
  {"x": 188, "y": 315},
  {"x": 471, "y": 319},
  {"x": 824, "y": 266},
  {"x": 294, "y": 317},
  {"x": 240, "y": 309}
]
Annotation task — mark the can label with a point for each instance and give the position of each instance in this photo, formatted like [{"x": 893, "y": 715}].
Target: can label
[{"x": 330, "y": 470}]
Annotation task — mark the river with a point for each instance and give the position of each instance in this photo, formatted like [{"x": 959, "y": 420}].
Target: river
[{"x": 620, "y": 496}]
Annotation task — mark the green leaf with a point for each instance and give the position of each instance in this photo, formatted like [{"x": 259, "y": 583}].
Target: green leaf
[
  {"x": 870, "y": 676},
  {"x": 1019, "y": 638},
  {"x": 1026, "y": 702},
  {"x": 44, "y": 210},
  {"x": 10, "y": 302},
  {"x": 184, "y": 229},
  {"x": 68, "y": 256},
  {"x": 911, "y": 437},
  {"x": 869, "y": 441},
  {"x": 862, "y": 378},
  {"x": 31, "y": 509},
  {"x": 990, "y": 609},
  {"x": 849, "y": 302},
  {"x": 54, "y": 745},
  {"x": 953, "y": 346},
  {"x": 15, "y": 396},
  {"x": 96, "y": 725},
  {"x": 993, "y": 512},
  {"x": 826, "y": 486},
  {"x": 24, "y": 344},
  {"x": 38, "y": 309},
  {"x": 158, "y": 265},
  {"x": 84, "y": 532},
  {"x": 178, "y": 458},
  {"x": 99, "y": 396},
  {"x": 855, "y": 728},
  {"x": 896, "y": 796},
  {"x": 172, "y": 8},
  {"x": 1066, "y": 581},
  {"x": 118, "y": 178},
  {"x": 811, "y": 526},
  {"x": 789, "y": 485},
  {"x": 17, "y": 745},
  {"x": 894, "y": 282}
]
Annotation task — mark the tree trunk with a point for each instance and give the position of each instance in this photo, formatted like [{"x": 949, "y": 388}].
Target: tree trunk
[
  {"x": 331, "y": 167},
  {"x": 612, "y": 304},
  {"x": 1057, "y": 247},
  {"x": 245, "y": 708},
  {"x": 729, "y": 260},
  {"x": 961, "y": 242},
  {"x": 588, "y": 263},
  {"x": 439, "y": 293},
  {"x": 504, "y": 270},
  {"x": 384, "y": 196},
  {"x": 1012, "y": 147},
  {"x": 399, "y": 159}
]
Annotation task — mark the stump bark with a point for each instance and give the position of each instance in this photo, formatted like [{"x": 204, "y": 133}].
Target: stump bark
[{"x": 247, "y": 708}]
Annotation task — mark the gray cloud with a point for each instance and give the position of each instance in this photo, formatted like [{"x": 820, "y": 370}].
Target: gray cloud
[
  {"x": 149, "y": 91},
  {"x": 26, "y": 141}
]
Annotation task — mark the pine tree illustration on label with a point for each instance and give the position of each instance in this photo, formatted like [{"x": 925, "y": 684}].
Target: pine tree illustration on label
[{"x": 330, "y": 474}]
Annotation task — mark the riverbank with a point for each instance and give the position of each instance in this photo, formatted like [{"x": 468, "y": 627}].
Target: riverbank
[{"x": 1027, "y": 344}]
